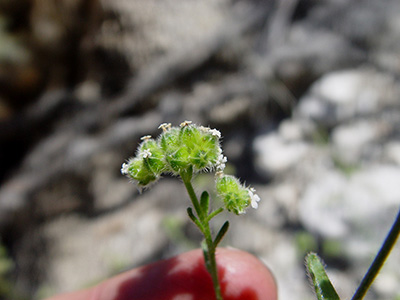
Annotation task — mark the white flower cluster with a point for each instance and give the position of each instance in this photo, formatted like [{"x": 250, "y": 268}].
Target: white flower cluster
[
  {"x": 124, "y": 169},
  {"x": 254, "y": 198},
  {"x": 221, "y": 161},
  {"x": 214, "y": 132}
]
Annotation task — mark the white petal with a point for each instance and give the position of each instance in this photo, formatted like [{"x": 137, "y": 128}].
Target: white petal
[
  {"x": 124, "y": 169},
  {"x": 165, "y": 126},
  {"x": 146, "y": 153},
  {"x": 185, "y": 123},
  {"x": 221, "y": 162},
  {"x": 215, "y": 132},
  {"x": 254, "y": 204},
  {"x": 254, "y": 198}
]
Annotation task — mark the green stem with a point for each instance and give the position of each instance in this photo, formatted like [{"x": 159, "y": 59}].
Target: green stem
[
  {"x": 209, "y": 255},
  {"x": 214, "y": 213},
  {"x": 213, "y": 263},
  {"x": 187, "y": 181},
  {"x": 379, "y": 260}
]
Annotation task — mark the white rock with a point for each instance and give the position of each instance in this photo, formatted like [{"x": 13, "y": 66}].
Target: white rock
[
  {"x": 346, "y": 87},
  {"x": 85, "y": 250},
  {"x": 350, "y": 141},
  {"x": 341, "y": 95},
  {"x": 359, "y": 210},
  {"x": 392, "y": 151},
  {"x": 387, "y": 283},
  {"x": 291, "y": 130},
  {"x": 321, "y": 207},
  {"x": 274, "y": 155}
]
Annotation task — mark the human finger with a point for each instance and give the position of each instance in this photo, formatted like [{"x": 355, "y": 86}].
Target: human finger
[{"x": 242, "y": 277}]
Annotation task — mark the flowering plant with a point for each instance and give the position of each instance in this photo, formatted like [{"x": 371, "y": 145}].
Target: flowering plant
[
  {"x": 189, "y": 149},
  {"x": 184, "y": 151}
]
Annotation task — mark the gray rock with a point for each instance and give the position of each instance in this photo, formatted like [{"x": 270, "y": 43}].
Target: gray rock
[
  {"x": 358, "y": 210},
  {"x": 351, "y": 142},
  {"x": 342, "y": 95},
  {"x": 320, "y": 208},
  {"x": 85, "y": 250},
  {"x": 392, "y": 152},
  {"x": 275, "y": 155}
]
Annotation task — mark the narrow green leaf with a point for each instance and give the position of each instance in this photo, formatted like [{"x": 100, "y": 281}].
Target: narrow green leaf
[
  {"x": 195, "y": 219},
  {"x": 214, "y": 213},
  {"x": 205, "y": 203},
  {"x": 221, "y": 233},
  {"x": 322, "y": 285}
]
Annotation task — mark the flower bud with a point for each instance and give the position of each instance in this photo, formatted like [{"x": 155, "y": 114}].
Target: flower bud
[
  {"x": 203, "y": 145},
  {"x": 178, "y": 149},
  {"x": 153, "y": 156},
  {"x": 190, "y": 146},
  {"x": 176, "y": 154},
  {"x": 235, "y": 196},
  {"x": 148, "y": 164},
  {"x": 137, "y": 170}
]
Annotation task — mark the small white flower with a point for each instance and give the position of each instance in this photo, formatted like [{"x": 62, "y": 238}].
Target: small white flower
[
  {"x": 146, "y": 137},
  {"x": 185, "y": 123},
  {"x": 124, "y": 169},
  {"x": 165, "y": 126},
  {"x": 215, "y": 132},
  {"x": 204, "y": 129},
  {"x": 146, "y": 153},
  {"x": 254, "y": 198},
  {"x": 221, "y": 160},
  {"x": 219, "y": 174}
]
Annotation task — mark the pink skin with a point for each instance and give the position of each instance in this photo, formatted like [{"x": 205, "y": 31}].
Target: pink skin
[{"x": 242, "y": 277}]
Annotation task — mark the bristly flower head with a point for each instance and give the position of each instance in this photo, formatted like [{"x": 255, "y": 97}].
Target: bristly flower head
[
  {"x": 148, "y": 164},
  {"x": 188, "y": 148},
  {"x": 236, "y": 197},
  {"x": 178, "y": 149}
]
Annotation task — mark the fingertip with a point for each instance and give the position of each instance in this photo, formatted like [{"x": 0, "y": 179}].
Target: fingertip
[
  {"x": 78, "y": 295},
  {"x": 242, "y": 277},
  {"x": 245, "y": 276}
]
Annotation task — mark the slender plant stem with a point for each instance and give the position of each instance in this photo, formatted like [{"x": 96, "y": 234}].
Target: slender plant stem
[
  {"x": 213, "y": 263},
  {"x": 379, "y": 260},
  {"x": 187, "y": 181},
  {"x": 186, "y": 178}
]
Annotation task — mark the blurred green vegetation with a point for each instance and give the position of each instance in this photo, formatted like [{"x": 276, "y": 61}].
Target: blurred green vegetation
[
  {"x": 344, "y": 167},
  {"x": 305, "y": 243},
  {"x": 320, "y": 136},
  {"x": 12, "y": 49},
  {"x": 7, "y": 289},
  {"x": 174, "y": 228}
]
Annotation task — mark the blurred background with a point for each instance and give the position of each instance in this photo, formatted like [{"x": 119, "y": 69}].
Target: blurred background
[{"x": 305, "y": 92}]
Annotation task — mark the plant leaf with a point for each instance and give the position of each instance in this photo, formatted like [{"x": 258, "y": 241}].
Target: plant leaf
[
  {"x": 194, "y": 219},
  {"x": 322, "y": 285},
  {"x": 205, "y": 202},
  {"x": 221, "y": 233},
  {"x": 214, "y": 213}
]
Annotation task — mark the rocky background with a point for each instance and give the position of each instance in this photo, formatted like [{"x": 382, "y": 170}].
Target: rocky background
[{"x": 305, "y": 92}]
